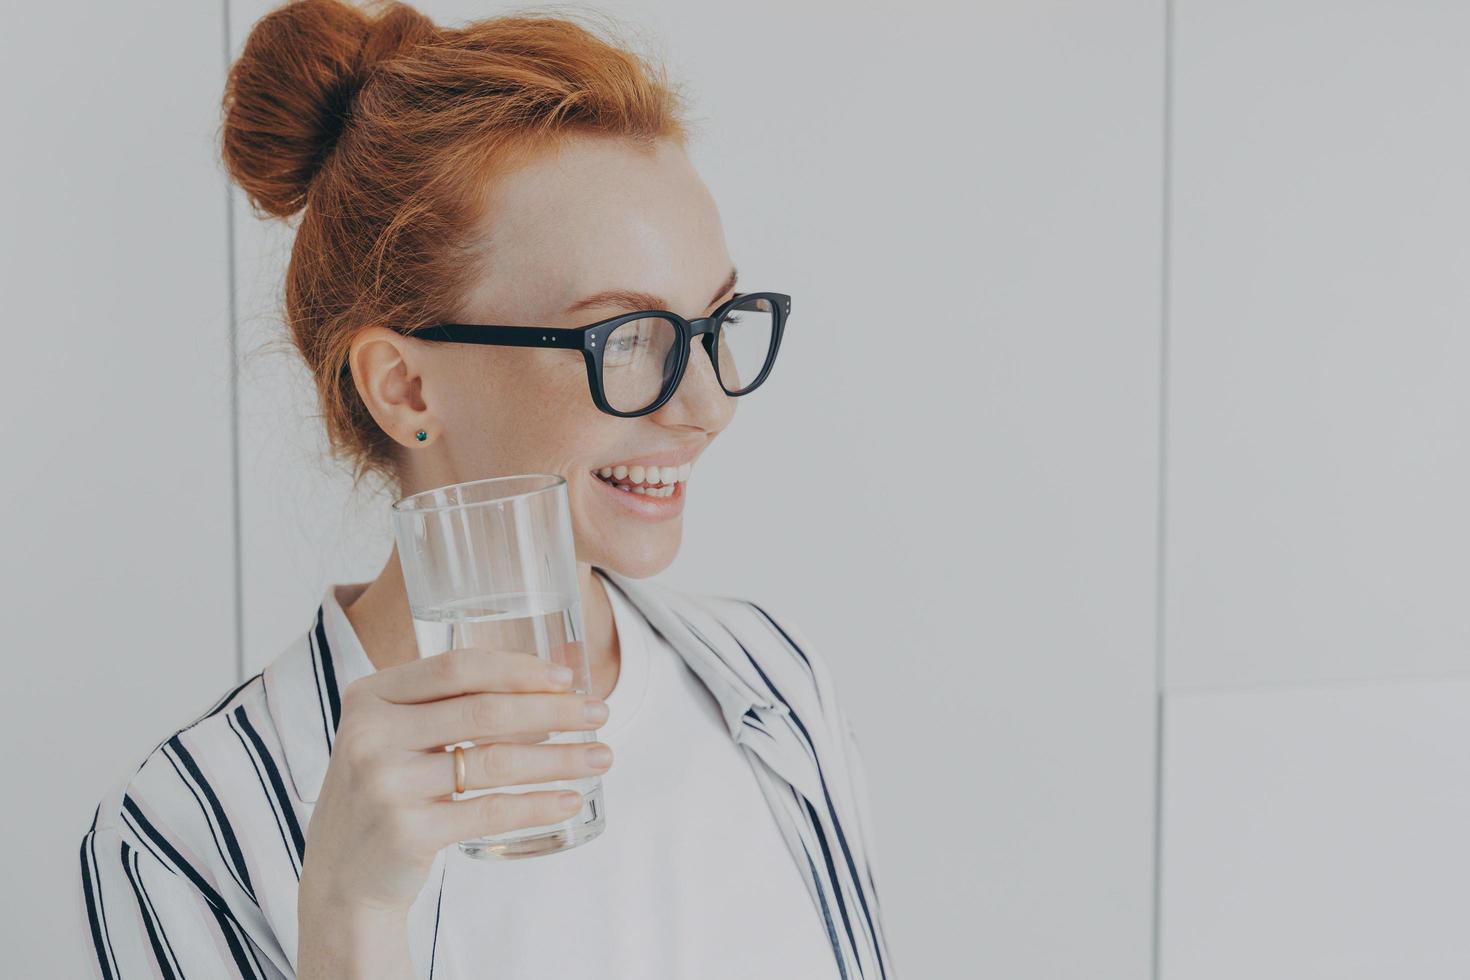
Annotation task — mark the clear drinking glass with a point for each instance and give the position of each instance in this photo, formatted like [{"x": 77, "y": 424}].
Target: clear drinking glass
[{"x": 491, "y": 563}]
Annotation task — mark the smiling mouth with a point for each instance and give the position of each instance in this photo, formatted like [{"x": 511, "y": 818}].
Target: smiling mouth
[{"x": 649, "y": 481}]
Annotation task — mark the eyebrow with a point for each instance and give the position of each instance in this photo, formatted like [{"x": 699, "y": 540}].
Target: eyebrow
[{"x": 633, "y": 299}]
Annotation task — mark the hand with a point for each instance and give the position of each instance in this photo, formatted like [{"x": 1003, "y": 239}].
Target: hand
[{"x": 386, "y": 806}]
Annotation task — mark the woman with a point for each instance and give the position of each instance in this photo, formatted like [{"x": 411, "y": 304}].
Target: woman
[{"x": 521, "y": 171}]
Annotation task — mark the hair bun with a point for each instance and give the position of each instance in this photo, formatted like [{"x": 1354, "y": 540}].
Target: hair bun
[{"x": 288, "y": 96}]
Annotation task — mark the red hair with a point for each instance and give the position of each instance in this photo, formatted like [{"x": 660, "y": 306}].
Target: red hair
[{"x": 384, "y": 129}]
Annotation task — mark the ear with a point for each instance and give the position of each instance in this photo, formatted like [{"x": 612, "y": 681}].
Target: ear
[{"x": 386, "y": 367}]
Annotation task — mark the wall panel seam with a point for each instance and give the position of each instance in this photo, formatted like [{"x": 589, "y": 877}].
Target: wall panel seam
[
  {"x": 1161, "y": 501},
  {"x": 237, "y": 562}
]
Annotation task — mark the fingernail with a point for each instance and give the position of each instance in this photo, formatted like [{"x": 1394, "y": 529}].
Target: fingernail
[
  {"x": 569, "y": 800},
  {"x": 599, "y": 756},
  {"x": 560, "y": 675},
  {"x": 596, "y": 711}
]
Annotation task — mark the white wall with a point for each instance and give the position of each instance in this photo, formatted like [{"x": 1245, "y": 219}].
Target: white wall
[
  {"x": 118, "y": 564},
  {"x": 1085, "y": 300},
  {"x": 1318, "y": 463},
  {"x": 1317, "y": 830}
]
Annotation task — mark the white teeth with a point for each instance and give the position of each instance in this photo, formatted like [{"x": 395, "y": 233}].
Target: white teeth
[
  {"x": 668, "y": 476},
  {"x": 649, "y": 491}
]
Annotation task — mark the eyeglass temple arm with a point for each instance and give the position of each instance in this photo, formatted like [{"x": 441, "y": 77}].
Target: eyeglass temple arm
[{"x": 505, "y": 336}]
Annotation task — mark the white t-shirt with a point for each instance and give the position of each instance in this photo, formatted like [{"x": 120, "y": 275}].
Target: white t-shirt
[{"x": 690, "y": 877}]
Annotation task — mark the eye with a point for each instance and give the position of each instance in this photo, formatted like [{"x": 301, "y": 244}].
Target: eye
[{"x": 632, "y": 342}]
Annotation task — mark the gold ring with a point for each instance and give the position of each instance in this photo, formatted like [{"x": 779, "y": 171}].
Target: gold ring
[{"x": 459, "y": 769}]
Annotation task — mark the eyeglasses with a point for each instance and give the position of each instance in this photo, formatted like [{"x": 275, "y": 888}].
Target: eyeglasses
[{"x": 635, "y": 360}]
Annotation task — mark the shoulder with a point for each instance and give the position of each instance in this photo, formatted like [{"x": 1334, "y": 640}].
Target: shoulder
[
  {"x": 772, "y": 621},
  {"x": 175, "y": 802},
  {"x": 181, "y": 866},
  {"x": 777, "y": 640}
]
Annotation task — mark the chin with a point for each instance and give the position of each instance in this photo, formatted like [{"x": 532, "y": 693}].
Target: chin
[
  {"x": 626, "y": 540},
  {"x": 639, "y": 554}
]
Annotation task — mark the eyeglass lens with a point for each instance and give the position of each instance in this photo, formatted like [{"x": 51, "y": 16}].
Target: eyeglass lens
[{"x": 639, "y": 357}]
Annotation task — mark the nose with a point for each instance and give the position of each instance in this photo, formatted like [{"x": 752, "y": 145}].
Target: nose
[{"x": 699, "y": 400}]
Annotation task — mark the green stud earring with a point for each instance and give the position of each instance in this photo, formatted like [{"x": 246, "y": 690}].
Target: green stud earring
[{"x": 421, "y": 435}]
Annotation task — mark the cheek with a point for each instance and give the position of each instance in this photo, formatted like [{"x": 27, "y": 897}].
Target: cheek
[
  {"x": 534, "y": 413},
  {"x": 591, "y": 438},
  {"x": 567, "y": 439}
]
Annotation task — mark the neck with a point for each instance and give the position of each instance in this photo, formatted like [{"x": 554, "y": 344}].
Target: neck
[{"x": 384, "y": 626}]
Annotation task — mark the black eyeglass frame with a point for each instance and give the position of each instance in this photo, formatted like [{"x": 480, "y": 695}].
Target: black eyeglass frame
[{"x": 590, "y": 341}]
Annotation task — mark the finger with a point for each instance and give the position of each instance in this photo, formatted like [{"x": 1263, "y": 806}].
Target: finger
[
  {"x": 463, "y": 670},
  {"x": 431, "y": 775},
  {"x": 525, "y": 738},
  {"x": 479, "y": 717},
  {"x": 497, "y": 813}
]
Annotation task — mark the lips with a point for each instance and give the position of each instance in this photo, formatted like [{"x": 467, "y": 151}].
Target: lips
[{"x": 653, "y": 505}]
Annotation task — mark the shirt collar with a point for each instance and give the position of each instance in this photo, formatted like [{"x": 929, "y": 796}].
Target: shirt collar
[
  {"x": 304, "y": 684},
  {"x": 303, "y": 688},
  {"x": 710, "y": 650}
]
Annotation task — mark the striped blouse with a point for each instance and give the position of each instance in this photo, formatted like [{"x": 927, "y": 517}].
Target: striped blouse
[{"x": 190, "y": 865}]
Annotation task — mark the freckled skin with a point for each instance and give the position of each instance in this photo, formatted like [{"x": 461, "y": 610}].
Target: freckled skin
[{"x": 597, "y": 214}]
